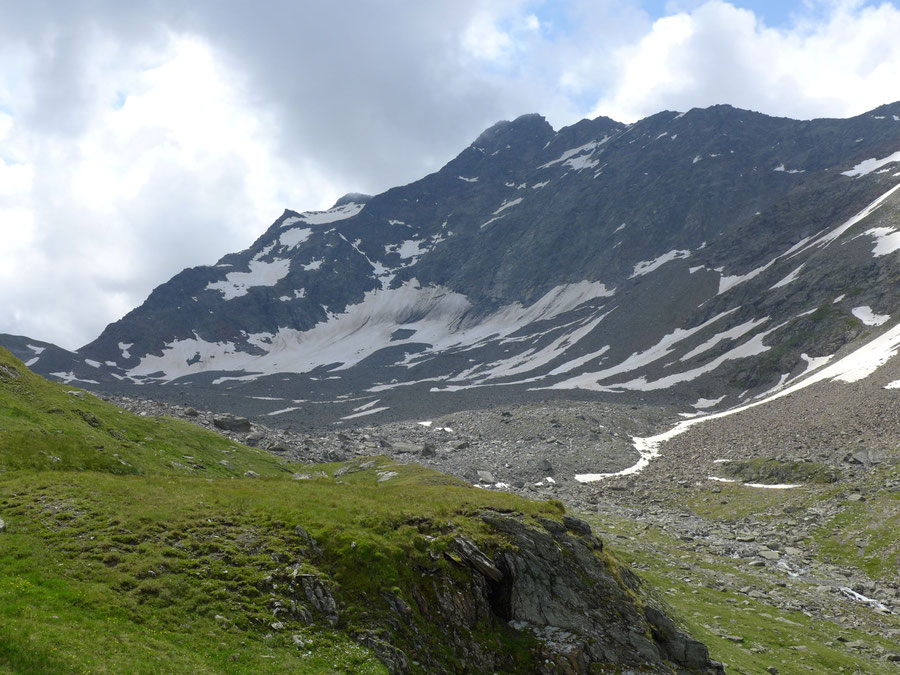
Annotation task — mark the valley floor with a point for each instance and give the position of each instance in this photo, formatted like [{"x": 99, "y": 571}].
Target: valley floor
[{"x": 793, "y": 580}]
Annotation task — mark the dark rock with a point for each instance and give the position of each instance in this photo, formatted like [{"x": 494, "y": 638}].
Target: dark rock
[
  {"x": 577, "y": 525},
  {"x": 336, "y": 455},
  {"x": 319, "y": 596},
  {"x": 472, "y": 555},
  {"x": 677, "y": 646}
]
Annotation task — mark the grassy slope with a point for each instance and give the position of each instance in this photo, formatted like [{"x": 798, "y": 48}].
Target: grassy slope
[{"x": 130, "y": 548}]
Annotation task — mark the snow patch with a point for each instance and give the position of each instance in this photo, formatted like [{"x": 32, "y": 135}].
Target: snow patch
[
  {"x": 70, "y": 377},
  {"x": 282, "y": 411},
  {"x": 237, "y": 284},
  {"x": 730, "y": 334},
  {"x": 727, "y": 283},
  {"x": 780, "y": 168},
  {"x": 587, "y": 148},
  {"x": 508, "y": 204},
  {"x": 341, "y": 212},
  {"x": 313, "y": 266},
  {"x": 411, "y": 248},
  {"x": 647, "y": 266},
  {"x": 468, "y": 180},
  {"x": 484, "y": 225},
  {"x": 789, "y": 278},
  {"x": 371, "y": 411},
  {"x": 870, "y": 165},
  {"x": 703, "y": 403},
  {"x": 293, "y": 238},
  {"x": 366, "y": 406},
  {"x": 887, "y": 240},
  {"x": 865, "y": 314},
  {"x": 581, "y": 163}
]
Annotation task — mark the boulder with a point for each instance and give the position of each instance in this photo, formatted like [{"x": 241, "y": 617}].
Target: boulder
[
  {"x": 406, "y": 447},
  {"x": 485, "y": 477},
  {"x": 232, "y": 423}
]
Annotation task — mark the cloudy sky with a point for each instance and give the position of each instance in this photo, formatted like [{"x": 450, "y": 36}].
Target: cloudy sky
[{"x": 138, "y": 138}]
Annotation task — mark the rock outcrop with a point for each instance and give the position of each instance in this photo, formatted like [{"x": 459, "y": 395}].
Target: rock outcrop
[{"x": 546, "y": 585}]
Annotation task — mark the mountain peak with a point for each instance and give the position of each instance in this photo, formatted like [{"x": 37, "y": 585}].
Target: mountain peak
[
  {"x": 352, "y": 198},
  {"x": 506, "y": 132}
]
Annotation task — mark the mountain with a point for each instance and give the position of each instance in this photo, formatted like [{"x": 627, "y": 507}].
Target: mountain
[{"x": 696, "y": 259}]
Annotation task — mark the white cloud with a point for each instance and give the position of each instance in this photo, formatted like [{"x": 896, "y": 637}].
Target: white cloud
[
  {"x": 843, "y": 64},
  {"x": 174, "y": 171}
]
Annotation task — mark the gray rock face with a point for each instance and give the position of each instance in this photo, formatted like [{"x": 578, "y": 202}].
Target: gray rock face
[{"x": 552, "y": 584}]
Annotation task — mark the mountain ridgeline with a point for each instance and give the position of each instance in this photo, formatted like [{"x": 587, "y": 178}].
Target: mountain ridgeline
[{"x": 690, "y": 258}]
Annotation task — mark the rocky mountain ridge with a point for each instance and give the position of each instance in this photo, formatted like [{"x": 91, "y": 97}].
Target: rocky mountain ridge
[{"x": 696, "y": 259}]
